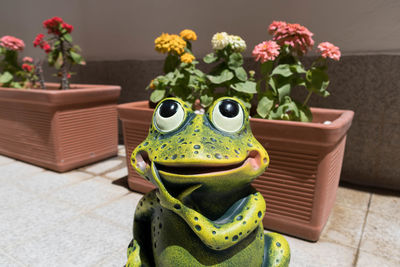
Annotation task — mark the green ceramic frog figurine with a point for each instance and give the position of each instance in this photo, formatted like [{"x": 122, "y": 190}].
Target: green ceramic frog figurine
[{"x": 204, "y": 211}]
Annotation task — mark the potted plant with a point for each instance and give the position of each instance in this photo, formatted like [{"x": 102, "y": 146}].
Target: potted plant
[
  {"x": 56, "y": 126},
  {"x": 306, "y": 145}
]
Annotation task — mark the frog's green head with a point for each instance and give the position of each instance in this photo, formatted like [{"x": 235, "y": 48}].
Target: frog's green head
[{"x": 216, "y": 149}]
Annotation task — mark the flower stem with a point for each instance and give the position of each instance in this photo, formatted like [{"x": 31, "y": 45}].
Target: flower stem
[
  {"x": 307, "y": 98},
  {"x": 64, "y": 72},
  {"x": 39, "y": 73}
]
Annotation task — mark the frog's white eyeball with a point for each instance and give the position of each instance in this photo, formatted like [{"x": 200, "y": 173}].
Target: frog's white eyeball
[
  {"x": 169, "y": 116},
  {"x": 228, "y": 116}
]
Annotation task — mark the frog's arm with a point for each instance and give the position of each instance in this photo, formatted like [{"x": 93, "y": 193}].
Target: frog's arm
[
  {"x": 140, "y": 252},
  {"x": 276, "y": 251},
  {"x": 237, "y": 223}
]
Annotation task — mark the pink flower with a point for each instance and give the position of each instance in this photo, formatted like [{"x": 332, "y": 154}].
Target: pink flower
[
  {"x": 265, "y": 51},
  {"x": 27, "y": 59},
  {"x": 329, "y": 50},
  {"x": 275, "y": 25},
  {"x": 294, "y": 35},
  {"x": 12, "y": 43}
]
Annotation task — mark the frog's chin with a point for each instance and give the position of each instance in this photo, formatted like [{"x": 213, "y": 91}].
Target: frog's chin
[{"x": 244, "y": 171}]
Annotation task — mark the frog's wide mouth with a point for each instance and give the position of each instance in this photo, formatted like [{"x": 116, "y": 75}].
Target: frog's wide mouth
[{"x": 253, "y": 160}]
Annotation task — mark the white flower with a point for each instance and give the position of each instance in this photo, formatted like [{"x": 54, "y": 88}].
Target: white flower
[
  {"x": 237, "y": 43},
  {"x": 220, "y": 40}
]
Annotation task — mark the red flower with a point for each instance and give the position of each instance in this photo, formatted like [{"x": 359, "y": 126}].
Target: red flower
[
  {"x": 52, "y": 25},
  {"x": 46, "y": 47},
  {"x": 27, "y": 67},
  {"x": 38, "y": 40},
  {"x": 67, "y": 27}
]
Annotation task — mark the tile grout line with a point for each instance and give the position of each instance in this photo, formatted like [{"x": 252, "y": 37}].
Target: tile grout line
[
  {"x": 87, "y": 212},
  {"x": 362, "y": 231},
  {"x": 11, "y": 258}
]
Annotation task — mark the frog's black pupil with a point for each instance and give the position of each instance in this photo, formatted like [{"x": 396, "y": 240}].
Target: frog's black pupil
[
  {"x": 168, "y": 108},
  {"x": 229, "y": 108}
]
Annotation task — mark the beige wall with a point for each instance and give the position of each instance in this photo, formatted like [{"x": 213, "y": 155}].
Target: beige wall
[{"x": 125, "y": 29}]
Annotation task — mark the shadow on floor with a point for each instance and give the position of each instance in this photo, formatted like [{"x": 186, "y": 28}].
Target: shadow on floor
[{"x": 122, "y": 182}]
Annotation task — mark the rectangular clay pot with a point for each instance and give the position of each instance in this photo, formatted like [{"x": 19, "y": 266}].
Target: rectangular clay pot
[
  {"x": 59, "y": 129},
  {"x": 300, "y": 183}
]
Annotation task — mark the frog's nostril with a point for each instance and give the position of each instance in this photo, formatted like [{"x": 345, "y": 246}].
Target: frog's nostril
[
  {"x": 255, "y": 159},
  {"x": 142, "y": 160}
]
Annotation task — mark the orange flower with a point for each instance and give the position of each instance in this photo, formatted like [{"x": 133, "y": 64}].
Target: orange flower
[
  {"x": 187, "y": 58},
  {"x": 169, "y": 43},
  {"x": 188, "y": 35},
  {"x": 152, "y": 85}
]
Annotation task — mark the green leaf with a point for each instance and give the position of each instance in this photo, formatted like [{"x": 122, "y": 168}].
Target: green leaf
[
  {"x": 241, "y": 74},
  {"x": 298, "y": 81},
  {"x": 225, "y": 75},
  {"x": 171, "y": 63},
  {"x": 67, "y": 37},
  {"x": 76, "y": 48},
  {"x": 206, "y": 100},
  {"x": 16, "y": 85},
  {"x": 210, "y": 58},
  {"x": 283, "y": 69},
  {"x": 272, "y": 82},
  {"x": 305, "y": 113},
  {"x": 247, "y": 105},
  {"x": 283, "y": 91},
  {"x": 293, "y": 108},
  {"x": 264, "y": 106},
  {"x": 198, "y": 73},
  {"x": 297, "y": 68},
  {"x": 245, "y": 87},
  {"x": 157, "y": 95},
  {"x": 235, "y": 60},
  {"x": 78, "y": 59},
  {"x": 317, "y": 81},
  {"x": 6, "y": 77},
  {"x": 59, "y": 61},
  {"x": 266, "y": 67}
]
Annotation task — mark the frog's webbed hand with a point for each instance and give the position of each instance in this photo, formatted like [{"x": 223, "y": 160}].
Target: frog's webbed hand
[
  {"x": 238, "y": 222},
  {"x": 140, "y": 252},
  {"x": 133, "y": 255}
]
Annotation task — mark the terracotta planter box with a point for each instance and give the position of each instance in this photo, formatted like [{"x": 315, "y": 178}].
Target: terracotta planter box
[
  {"x": 300, "y": 183},
  {"x": 59, "y": 129}
]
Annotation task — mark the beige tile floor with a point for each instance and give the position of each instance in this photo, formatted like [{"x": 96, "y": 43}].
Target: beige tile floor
[{"x": 84, "y": 218}]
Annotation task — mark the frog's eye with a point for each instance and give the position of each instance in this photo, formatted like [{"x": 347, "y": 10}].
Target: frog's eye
[
  {"x": 169, "y": 116},
  {"x": 228, "y": 116}
]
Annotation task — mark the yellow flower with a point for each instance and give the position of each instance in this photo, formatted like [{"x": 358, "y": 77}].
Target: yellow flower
[
  {"x": 162, "y": 43},
  {"x": 167, "y": 43},
  {"x": 152, "y": 85},
  {"x": 187, "y": 58},
  {"x": 188, "y": 35},
  {"x": 177, "y": 44}
]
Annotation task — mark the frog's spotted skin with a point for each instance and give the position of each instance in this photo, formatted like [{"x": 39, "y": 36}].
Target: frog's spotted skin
[{"x": 204, "y": 211}]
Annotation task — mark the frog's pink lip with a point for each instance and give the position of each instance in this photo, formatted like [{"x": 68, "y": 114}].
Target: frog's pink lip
[{"x": 253, "y": 159}]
